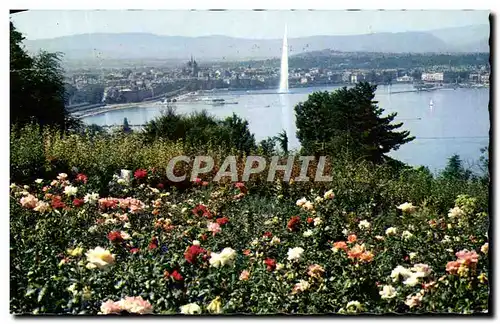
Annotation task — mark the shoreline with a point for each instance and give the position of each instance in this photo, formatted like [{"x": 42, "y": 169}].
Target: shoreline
[{"x": 123, "y": 106}]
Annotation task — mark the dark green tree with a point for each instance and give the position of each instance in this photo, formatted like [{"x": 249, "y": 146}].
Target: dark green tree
[
  {"x": 348, "y": 121},
  {"x": 37, "y": 92},
  {"x": 126, "y": 127},
  {"x": 268, "y": 145},
  {"x": 238, "y": 134},
  {"x": 454, "y": 170},
  {"x": 282, "y": 140}
]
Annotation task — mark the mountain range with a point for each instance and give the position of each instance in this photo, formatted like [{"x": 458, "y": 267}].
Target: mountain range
[{"x": 123, "y": 46}]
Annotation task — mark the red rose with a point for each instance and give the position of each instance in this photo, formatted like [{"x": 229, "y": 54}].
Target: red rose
[
  {"x": 247, "y": 252},
  {"x": 222, "y": 221},
  {"x": 160, "y": 186},
  {"x": 270, "y": 263},
  {"x": 310, "y": 220},
  {"x": 197, "y": 180},
  {"x": 293, "y": 223},
  {"x": 78, "y": 202},
  {"x": 268, "y": 234},
  {"x": 153, "y": 244},
  {"x": 177, "y": 276},
  {"x": 192, "y": 252},
  {"x": 81, "y": 177},
  {"x": 202, "y": 210},
  {"x": 115, "y": 236},
  {"x": 57, "y": 203},
  {"x": 140, "y": 174},
  {"x": 134, "y": 250},
  {"x": 106, "y": 203}
]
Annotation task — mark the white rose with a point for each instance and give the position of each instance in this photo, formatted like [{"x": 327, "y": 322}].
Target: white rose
[
  {"x": 364, "y": 224},
  {"x": 192, "y": 308},
  {"x": 329, "y": 194},
  {"x": 70, "y": 190},
  {"x": 307, "y": 233},
  {"x": 400, "y": 272},
  {"x": 391, "y": 231},
  {"x": 407, "y": 207},
  {"x": 387, "y": 292},
  {"x": 301, "y": 202},
  {"x": 412, "y": 280},
  {"x": 406, "y": 235},
  {"x": 295, "y": 253},
  {"x": 318, "y": 221}
]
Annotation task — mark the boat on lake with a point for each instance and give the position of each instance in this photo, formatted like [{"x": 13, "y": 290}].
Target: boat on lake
[{"x": 220, "y": 102}]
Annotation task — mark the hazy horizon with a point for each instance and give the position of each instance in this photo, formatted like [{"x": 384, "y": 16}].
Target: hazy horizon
[{"x": 269, "y": 24}]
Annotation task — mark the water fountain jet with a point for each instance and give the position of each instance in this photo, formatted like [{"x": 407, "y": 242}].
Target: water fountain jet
[{"x": 284, "y": 65}]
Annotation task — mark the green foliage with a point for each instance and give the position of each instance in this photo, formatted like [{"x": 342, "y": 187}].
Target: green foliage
[
  {"x": 27, "y": 155},
  {"x": 348, "y": 120},
  {"x": 37, "y": 90},
  {"x": 200, "y": 131},
  {"x": 47, "y": 277},
  {"x": 282, "y": 140},
  {"x": 268, "y": 146},
  {"x": 454, "y": 170}
]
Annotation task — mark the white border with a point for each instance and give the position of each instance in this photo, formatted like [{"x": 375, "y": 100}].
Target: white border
[{"x": 196, "y": 4}]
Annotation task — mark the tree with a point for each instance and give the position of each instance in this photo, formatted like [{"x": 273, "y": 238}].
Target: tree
[
  {"x": 454, "y": 170},
  {"x": 200, "y": 131},
  {"x": 268, "y": 145},
  {"x": 37, "y": 92},
  {"x": 484, "y": 163},
  {"x": 126, "y": 127},
  {"x": 239, "y": 135},
  {"x": 282, "y": 140},
  {"x": 348, "y": 121}
]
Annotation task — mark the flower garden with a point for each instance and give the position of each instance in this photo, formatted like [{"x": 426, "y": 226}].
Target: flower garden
[{"x": 145, "y": 248}]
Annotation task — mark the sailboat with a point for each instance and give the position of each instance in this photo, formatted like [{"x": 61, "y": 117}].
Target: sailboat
[{"x": 431, "y": 104}]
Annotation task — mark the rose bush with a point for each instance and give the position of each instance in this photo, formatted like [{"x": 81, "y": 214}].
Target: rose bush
[{"x": 213, "y": 249}]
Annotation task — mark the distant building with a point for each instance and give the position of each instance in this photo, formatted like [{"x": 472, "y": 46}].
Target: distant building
[
  {"x": 485, "y": 78},
  {"x": 433, "y": 77},
  {"x": 346, "y": 77},
  {"x": 475, "y": 77},
  {"x": 405, "y": 79},
  {"x": 354, "y": 78}
]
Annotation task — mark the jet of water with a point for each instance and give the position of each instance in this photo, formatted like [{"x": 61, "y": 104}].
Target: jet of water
[{"x": 284, "y": 65}]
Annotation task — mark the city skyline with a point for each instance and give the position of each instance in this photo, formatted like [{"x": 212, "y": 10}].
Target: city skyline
[{"x": 269, "y": 24}]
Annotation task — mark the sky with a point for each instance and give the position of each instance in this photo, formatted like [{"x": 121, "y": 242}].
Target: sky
[{"x": 39, "y": 24}]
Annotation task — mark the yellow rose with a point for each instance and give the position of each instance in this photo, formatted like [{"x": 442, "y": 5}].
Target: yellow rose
[
  {"x": 485, "y": 248},
  {"x": 215, "y": 306},
  {"x": 99, "y": 258},
  {"x": 75, "y": 252}
]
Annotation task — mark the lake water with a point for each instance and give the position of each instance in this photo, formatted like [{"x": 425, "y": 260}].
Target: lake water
[{"x": 456, "y": 122}]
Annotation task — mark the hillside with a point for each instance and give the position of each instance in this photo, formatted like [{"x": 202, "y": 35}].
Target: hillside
[
  {"x": 139, "y": 45},
  {"x": 135, "y": 46}
]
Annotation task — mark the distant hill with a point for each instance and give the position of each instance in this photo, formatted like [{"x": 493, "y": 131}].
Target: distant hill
[
  {"x": 465, "y": 39},
  {"x": 142, "y": 45}
]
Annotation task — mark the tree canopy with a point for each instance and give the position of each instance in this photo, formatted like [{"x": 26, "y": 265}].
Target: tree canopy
[
  {"x": 201, "y": 130},
  {"x": 37, "y": 92},
  {"x": 348, "y": 121}
]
